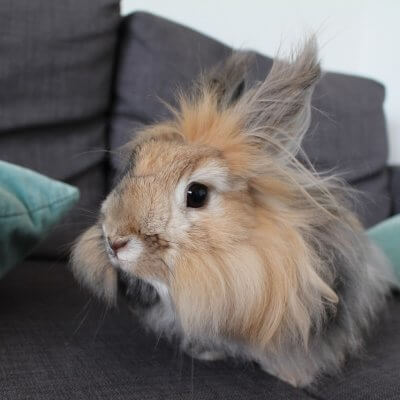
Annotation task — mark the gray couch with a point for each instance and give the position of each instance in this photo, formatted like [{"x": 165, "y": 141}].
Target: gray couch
[{"x": 77, "y": 79}]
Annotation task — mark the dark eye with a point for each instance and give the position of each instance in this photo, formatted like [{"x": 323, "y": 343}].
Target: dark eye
[{"x": 196, "y": 195}]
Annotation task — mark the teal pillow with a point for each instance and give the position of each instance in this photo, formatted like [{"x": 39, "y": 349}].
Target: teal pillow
[
  {"x": 30, "y": 204},
  {"x": 387, "y": 236}
]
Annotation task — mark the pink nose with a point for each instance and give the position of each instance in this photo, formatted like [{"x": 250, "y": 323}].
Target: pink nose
[{"x": 117, "y": 244}]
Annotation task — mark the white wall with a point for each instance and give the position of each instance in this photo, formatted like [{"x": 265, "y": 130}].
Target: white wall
[{"x": 355, "y": 36}]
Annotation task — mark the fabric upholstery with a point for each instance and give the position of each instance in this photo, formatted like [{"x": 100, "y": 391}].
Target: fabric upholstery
[
  {"x": 374, "y": 375},
  {"x": 348, "y": 125},
  {"x": 55, "y": 77},
  {"x": 56, "y": 342}
]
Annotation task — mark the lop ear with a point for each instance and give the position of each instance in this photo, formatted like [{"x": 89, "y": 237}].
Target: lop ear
[
  {"x": 277, "y": 112},
  {"x": 91, "y": 266},
  {"x": 227, "y": 79}
]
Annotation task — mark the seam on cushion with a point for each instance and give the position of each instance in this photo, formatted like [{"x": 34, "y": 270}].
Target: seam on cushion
[{"x": 29, "y": 212}]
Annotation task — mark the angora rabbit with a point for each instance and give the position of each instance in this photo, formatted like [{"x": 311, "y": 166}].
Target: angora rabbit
[{"x": 230, "y": 244}]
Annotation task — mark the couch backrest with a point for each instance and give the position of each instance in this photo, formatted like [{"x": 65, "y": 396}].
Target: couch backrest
[{"x": 55, "y": 79}]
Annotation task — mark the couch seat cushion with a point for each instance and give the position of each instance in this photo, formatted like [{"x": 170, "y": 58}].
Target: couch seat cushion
[{"x": 57, "y": 342}]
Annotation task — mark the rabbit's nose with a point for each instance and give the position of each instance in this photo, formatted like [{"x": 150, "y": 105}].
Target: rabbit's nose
[{"x": 117, "y": 244}]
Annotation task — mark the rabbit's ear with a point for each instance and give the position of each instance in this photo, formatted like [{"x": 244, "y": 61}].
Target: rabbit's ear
[
  {"x": 91, "y": 266},
  {"x": 227, "y": 79},
  {"x": 277, "y": 112}
]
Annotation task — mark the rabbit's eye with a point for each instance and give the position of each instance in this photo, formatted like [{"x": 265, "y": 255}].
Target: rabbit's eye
[{"x": 196, "y": 195}]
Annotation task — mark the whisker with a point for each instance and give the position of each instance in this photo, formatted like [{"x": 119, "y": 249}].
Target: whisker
[
  {"x": 101, "y": 323},
  {"x": 83, "y": 319}
]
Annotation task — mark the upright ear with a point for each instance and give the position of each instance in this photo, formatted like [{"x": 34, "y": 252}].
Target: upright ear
[
  {"x": 227, "y": 79},
  {"x": 277, "y": 112}
]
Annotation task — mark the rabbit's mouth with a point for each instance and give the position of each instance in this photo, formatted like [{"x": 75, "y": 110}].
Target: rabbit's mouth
[
  {"x": 133, "y": 290},
  {"x": 122, "y": 252}
]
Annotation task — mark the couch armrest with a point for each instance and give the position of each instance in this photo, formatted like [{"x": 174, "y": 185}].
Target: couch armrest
[{"x": 395, "y": 188}]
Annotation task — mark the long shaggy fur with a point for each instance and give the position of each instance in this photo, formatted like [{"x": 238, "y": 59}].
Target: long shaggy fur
[{"x": 274, "y": 268}]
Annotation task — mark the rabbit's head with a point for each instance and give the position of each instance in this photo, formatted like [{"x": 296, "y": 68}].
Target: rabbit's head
[{"x": 215, "y": 211}]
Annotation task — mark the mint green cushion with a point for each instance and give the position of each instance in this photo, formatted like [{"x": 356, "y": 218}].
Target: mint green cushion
[
  {"x": 387, "y": 236},
  {"x": 30, "y": 204}
]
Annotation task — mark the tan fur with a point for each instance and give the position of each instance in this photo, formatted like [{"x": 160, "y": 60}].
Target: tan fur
[
  {"x": 92, "y": 267},
  {"x": 280, "y": 299},
  {"x": 254, "y": 291},
  {"x": 245, "y": 268},
  {"x": 257, "y": 291}
]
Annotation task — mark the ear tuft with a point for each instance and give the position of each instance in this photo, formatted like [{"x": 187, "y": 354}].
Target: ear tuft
[
  {"x": 277, "y": 112},
  {"x": 227, "y": 79}
]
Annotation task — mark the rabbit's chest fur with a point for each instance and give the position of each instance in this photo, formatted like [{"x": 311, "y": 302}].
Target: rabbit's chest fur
[{"x": 151, "y": 303}]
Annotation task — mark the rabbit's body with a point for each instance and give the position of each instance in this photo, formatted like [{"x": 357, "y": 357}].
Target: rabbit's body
[
  {"x": 231, "y": 245},
  {"x": 361, "y": 290}
]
